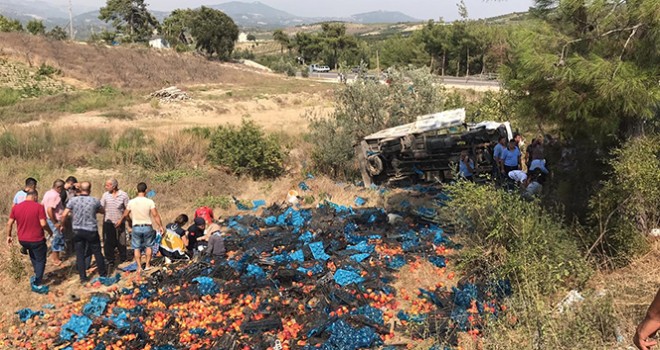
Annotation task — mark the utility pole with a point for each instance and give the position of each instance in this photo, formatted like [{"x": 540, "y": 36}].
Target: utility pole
[{"x": 70, "y": 21}]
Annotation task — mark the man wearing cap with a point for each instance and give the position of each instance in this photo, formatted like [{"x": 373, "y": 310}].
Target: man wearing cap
[
  {"x": 30, "y": 219},
  {"x": 143, "y": 215},
  {"x": 195, "y": 233}
]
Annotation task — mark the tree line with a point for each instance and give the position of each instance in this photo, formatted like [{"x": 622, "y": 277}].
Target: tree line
[
  {"x": 204, "y": 29},
  {"x": 464, "y": 47},
  {"x": 34, "y": 27}
]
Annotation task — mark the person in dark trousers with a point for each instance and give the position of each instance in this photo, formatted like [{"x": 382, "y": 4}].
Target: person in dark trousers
[
  {"x": 83, "y": 210},
  {"x": 511, "y": 158},
  {"x": 67, "y": 231},
  {"x": 30, "y": 219},
  {"x": 649, "y": 327},
  {"x": 114, "y": 202}
]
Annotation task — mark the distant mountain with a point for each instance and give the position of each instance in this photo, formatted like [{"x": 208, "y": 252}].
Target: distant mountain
[
  {"x": 382, "y": 17},
  {"x": 257, "y": 14},
  {"x": 25, "y": 10},
  {"x": 247, "y": 15}
]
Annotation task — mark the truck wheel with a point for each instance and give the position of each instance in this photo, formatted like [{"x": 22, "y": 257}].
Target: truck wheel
[{"x": 375, "y": 165}]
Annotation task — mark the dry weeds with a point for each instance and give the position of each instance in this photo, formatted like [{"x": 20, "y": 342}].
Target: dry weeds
[{"x": 134, "y": 67}]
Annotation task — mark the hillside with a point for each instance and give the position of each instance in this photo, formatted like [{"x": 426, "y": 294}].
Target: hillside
[
  {"x": 123, "y": 67},
  {"x": 382, "y": 17}
]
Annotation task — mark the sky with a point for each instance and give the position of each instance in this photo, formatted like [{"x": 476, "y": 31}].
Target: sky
[{"x": 421, "y": 9}]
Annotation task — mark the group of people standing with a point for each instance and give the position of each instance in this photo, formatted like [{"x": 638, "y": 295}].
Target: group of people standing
[
  {"x": 511, "y": 159},
  {"x": 68, "y": 213}
]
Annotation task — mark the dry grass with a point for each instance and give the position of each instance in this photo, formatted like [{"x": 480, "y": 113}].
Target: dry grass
[{"x": 125, "y": 67}]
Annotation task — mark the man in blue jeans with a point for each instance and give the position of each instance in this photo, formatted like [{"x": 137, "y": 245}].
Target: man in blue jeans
[
  {"x": 143, "y": 215},
  {"x": 30, "y": 219},
  {"x": 83, "y": 209}
]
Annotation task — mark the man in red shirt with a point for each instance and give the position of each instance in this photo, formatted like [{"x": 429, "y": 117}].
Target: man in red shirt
[{"x": 30, "y": 218}]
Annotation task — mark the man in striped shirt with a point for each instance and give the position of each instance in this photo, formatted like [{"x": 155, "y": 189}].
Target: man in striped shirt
[{"x": 114, "y": 201}]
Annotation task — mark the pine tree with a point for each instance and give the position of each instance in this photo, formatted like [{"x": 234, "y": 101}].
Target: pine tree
[{"x": 590, "y": 68}]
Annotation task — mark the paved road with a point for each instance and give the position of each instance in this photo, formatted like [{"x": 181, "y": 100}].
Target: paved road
[{"x": 460, "y": 81}]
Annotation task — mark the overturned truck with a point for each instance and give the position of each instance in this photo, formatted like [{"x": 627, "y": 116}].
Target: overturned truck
[{"x": 428, "y": 149}]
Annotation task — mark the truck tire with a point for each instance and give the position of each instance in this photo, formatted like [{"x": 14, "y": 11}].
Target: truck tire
[{"x": 375, "y": 165}]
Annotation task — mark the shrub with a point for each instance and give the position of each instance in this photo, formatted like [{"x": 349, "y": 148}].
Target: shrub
[
  {"x": 222, "y": 202},
  {"x": 510, "y": 238},
  {"x": 364, "y": 108},
  {"x": 179, "y": 150},
  {"x": 246, "y": 150},
  {"x": 627, "y": 206},
  {"x": 9, "y": 96},
  {"x": 47, "y": 71}
]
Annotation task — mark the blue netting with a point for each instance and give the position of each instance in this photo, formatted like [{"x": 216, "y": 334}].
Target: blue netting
[
  {"x": 345, "y": 337},
  {"x": 359, "y": 201},
  {"x": 396, "y": 262},
  {"x": 345, "y": 277},
  {"x": 306, "y": 237},
  {"x": 410, "y": 244},
  {"x": 144, "y": 292},
  {"x": 26, "y": 314},
  {"x": 463, "y": 297},
  {"x": 403, "y": 316},
  {"x": 78, "y": 325},
  {"x": 255, "y": 271},
  {"x": 360, "y": 257},
  {"x": 316, "y": 269},
  {"x": 438, "y": 261},
  {"x": 303, "y": 186},
  {"x": 298, "y": 256},
  {"x": 318, "y": 251},
  {"x": 165, "y": 347},
  {"x": 96, "y": 306},
  {"x": 197, "y": 331},
  {"x": 206, "y": 286},
  {"x": 281, "y": 258},
  {"x": 425, "y": 294},
  {"x": 107, "y": 281},
  {"x": 120, "y": 321},
  {"x": 426, "y": 212},
  {"x": 256, "y": 204},
  {"x": 372, "y": 314},
  {"x": 362, "y": 247}
]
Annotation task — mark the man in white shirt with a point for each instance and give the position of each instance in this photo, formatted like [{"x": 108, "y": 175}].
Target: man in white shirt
[{"x": 141, "y": 210}]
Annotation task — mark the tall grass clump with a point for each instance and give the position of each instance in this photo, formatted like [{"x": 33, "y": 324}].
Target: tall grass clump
[
  {"x": 508, "y": 238},
  {"x": 626, "y": 208}
]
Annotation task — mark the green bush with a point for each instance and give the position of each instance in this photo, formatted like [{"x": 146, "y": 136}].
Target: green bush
[
  {"x": 47, "y": 71},
  {"x": 364, "y": 108},
  {"x": 507, "y": 237},
  {"x": 246, "y": 150},
  {"x": 627, "y": 206},
  {"x": 9, "y": 96},
  {"x": 222, "y": 202}
]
